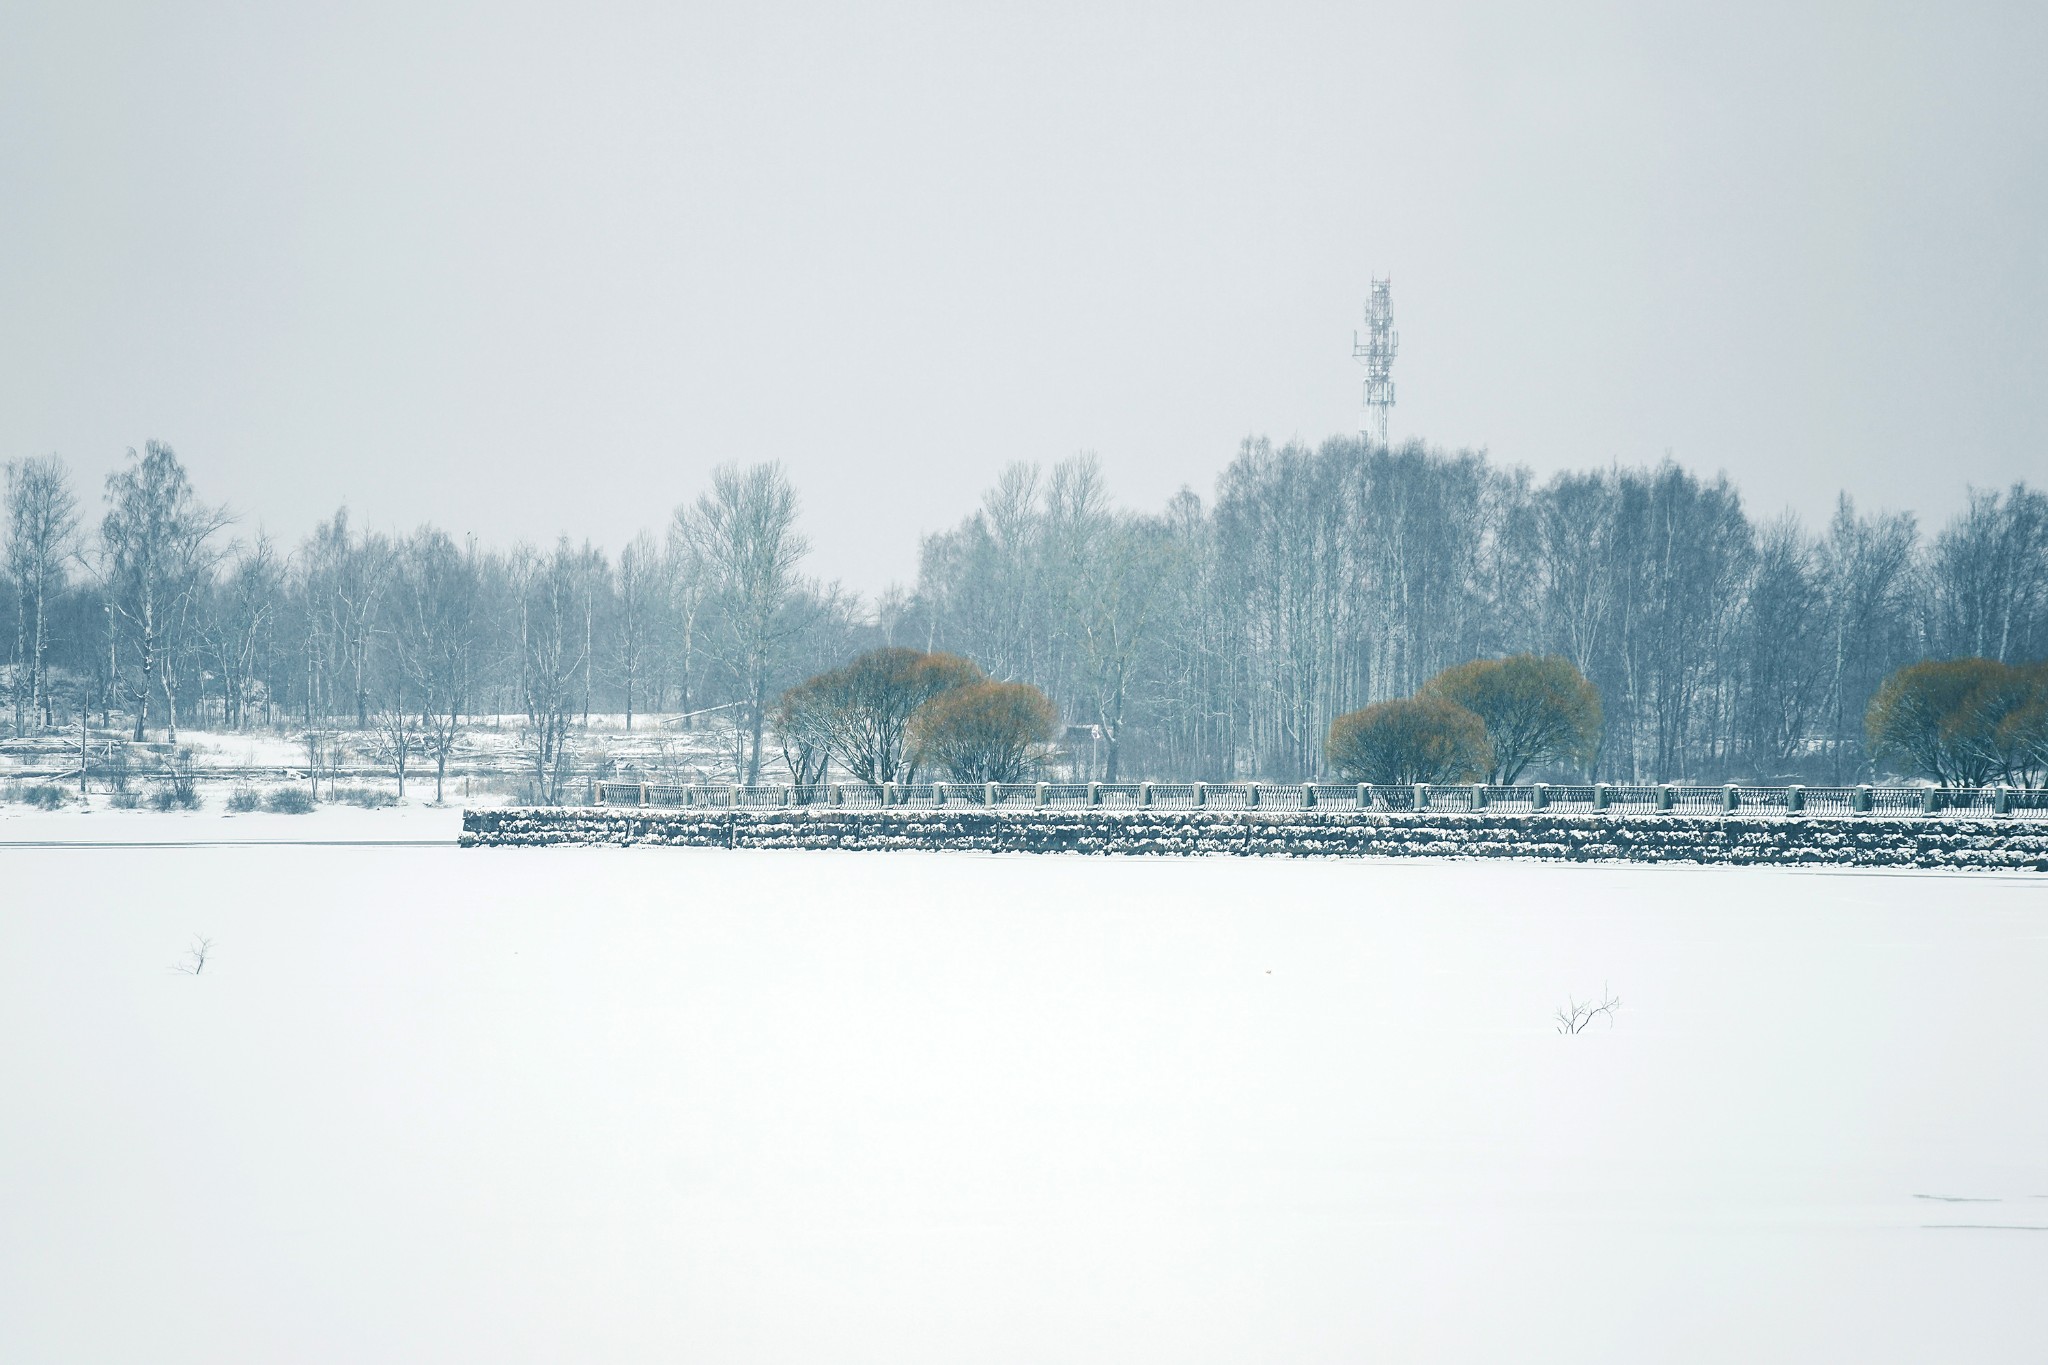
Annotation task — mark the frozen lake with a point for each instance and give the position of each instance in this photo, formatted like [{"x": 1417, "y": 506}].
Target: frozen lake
[{"x": 426, "y": 1104}]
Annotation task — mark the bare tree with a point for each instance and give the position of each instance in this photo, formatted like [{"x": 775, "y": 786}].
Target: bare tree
[
  {"x": 345, "y": 578},
  {"x": 550, "y": 662},
  {"x": 1410, "y": 740},
  {"x": 1868, "y": 574},
  {"x": 41, "y": 518},
  {"x": 397, "y": 730},
  {"x": 984, "y": 732},
  {"x": 243, "y": 620},
  {"x": 435, "y": 638},
  {"x": 861, "y": 714},
  {"x": 1128, "y": 568},
  {"x": 1989, "y": 579},
  {"x": 744, "y": 529},
  {"x": 640, "y": 585},
  {"x": 803, "y": 729},
  {"x": 1536, "y": 709},
  {"x": 156, "y": 558}
]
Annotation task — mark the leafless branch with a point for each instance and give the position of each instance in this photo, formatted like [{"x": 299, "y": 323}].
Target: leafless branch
[
  {"x": 1575, "y": 1016},
  {"x": 195, "y": 957}
]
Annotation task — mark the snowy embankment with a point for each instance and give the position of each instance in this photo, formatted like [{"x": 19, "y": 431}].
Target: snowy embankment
[
  {"x": 747, "y": 1109},
  {"x": 2002, "y": 844}
]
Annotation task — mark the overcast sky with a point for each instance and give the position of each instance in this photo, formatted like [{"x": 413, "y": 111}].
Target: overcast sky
[{"x": 524, "y": 269}]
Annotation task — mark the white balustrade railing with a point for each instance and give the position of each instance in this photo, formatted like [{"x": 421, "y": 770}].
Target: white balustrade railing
[{"x": 1598, "y": 798}]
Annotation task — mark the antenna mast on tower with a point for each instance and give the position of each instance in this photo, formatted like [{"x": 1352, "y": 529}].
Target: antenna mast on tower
[{"x": 1377, "y": 352}]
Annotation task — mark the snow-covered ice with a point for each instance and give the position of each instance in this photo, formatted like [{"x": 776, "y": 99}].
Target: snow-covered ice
[{"x": 426, "y": 1104}]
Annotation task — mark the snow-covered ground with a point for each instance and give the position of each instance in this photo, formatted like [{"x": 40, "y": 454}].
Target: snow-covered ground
[
  {"x": 668, "y": 747},
  {"x": 101, "y": 825},
  {"x": 425, "y": 1104}
]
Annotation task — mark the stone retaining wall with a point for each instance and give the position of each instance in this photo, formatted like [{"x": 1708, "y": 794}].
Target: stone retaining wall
[{"x": 1826, "y": 841}]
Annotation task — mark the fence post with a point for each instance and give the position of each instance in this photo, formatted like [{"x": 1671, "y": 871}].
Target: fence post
[
  {"x": 1600, "y": 797},
  {"x": 2001, "y": 800},
  {"x": 1539, "y": 796},
  {"x": 1201, "y": 794},
  {"x": 1094, "y": 793},
  {"x": 1422, "y": 796},
  {"x": 938, "y": 793},
  {"x": 1795, "y": 800},
  {"x": 1478, "y": 796},
  {"x": 1040, "y": 793},
  {"x": 1731, "y": 797},
  {"x": 1929, "y": 802},
  {"x": 1308, "y": 795},
  {"x": 990, "y": 795},
  {"x": 1859, "y": 801},
  {"x": 1144, "y": 793},
  {"x": 1667, "y": 796},
  {"x": 1251, "y": 796},
  {"x": 1365, "y": 796}
]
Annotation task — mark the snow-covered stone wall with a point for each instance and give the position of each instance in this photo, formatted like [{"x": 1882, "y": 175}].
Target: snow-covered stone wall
[{"x": 2004, "y": 844}]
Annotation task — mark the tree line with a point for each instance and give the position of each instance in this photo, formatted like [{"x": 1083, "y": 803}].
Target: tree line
[{"x": 1218, "y": 639}]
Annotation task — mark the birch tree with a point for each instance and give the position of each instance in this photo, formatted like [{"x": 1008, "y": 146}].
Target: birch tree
[
  {"x": 41, "y": 517},
  {"x": 156, "y": 548},
  {"x": 744, "y": 528}
]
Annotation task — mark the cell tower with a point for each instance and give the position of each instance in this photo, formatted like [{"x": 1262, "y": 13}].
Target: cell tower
[{"x": 1377, "y": 351}]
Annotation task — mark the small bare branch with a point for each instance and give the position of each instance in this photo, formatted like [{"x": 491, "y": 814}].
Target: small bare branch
[
  {"x": 1577, "y": 1015},
  {"x": 195, "y": 957}
]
